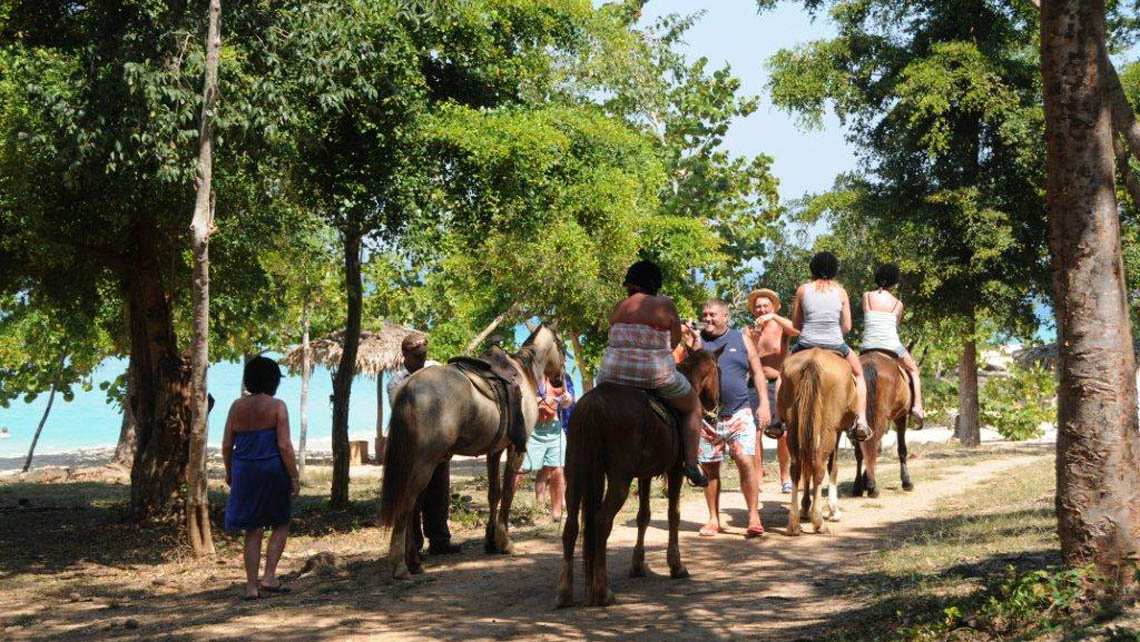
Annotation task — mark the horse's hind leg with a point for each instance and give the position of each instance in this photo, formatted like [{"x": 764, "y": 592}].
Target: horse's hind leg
[
  {"x": 502, "y": 538},
  {"x": 569, "y": 539},
  {"x": 857, "y": 491},
  {"x": 873, "y": 447},
  {"x": 816, "y": 512},
  {"x": 638, "y": 569},
  {"x": 397, "y": 548},
  {"x": 677, "y": 568},
  {"x": 794, "y": 507},
  {"x": 493, "y": 493},
  {"x": 415, "y": 561},
  {"x": 833, "y": 512},
  {"x": 900, "y": 428},
  {"x": 599, "y": 593}
]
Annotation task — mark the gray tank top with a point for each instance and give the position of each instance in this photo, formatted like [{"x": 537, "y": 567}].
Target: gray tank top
[{"x": 822, "y": 312}]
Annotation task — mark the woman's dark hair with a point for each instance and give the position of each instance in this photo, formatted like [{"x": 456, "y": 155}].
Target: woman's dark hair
[
  {"x": 824, "y": 265},
  {"x": 643, "y": 276},
  {"x": 261, "y": 375},
  {"x": 887, "y": 276}
]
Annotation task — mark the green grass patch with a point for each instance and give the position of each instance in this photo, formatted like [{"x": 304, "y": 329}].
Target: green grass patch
[{"x": 985, "y": 565}]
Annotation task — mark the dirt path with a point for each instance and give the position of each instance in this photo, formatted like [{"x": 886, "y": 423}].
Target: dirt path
[{"x": 777, "y": 586}]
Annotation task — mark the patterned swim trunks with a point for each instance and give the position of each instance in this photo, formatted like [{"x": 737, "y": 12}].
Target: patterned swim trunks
[{"x": 735, "y": 432}]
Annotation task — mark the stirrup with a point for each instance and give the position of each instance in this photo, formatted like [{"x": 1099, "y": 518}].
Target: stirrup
[
  {"x": 695, "y": 476},
  {"x": 774, "y": 430},
  {"x": 859, "y": 432}
]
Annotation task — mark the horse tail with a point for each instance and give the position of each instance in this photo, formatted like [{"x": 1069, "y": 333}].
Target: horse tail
[
  {"x": 871, "y": 379},
  {"x": 809, "y": 416},
  {"x": 395, "y": 495},
  {"x": 585, "y": 460}
]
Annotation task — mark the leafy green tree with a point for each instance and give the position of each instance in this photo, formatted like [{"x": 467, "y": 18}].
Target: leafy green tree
[
  {"x": 688, "y": 108},
  {"x": 946, "y": 115}
]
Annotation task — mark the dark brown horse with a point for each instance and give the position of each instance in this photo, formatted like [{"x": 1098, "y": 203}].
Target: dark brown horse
[
  {"x": 817, "y": 402},
  {"x": 889, "y": 399},
  {"x": 615, "y": 437},
  {"x": 439, "y": 413}
]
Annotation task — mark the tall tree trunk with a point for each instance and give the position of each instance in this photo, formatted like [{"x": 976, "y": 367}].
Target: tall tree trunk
[
  {"x": 43, "y": 419},
  {"x": 1098, "y": 444},
  {"x": 125, "y": 450},
  {"x": 342, "y": 384},
  {"x": 587, "y": 374},
  {"x": 968, "y": 428},
  {"x": 161, "y": 403},
  {"x": 198, "y": 500},
  {"x": 380, "y": 418},
  {"x": 306, "y": 374}
]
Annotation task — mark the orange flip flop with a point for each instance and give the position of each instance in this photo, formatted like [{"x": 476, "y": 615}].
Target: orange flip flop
[{"x": 756, "y": 530}]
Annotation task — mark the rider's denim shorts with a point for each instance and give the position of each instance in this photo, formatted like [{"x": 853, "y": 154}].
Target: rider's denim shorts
[{"x": 843, "y": 349}]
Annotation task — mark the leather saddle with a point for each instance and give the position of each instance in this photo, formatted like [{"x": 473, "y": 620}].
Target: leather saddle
[
  {"x": 496, "y": 378},
  {"x": 664, "y": 412}
]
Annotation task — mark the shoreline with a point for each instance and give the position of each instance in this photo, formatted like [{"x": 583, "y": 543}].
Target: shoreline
[{"x": 320, "y": 450}]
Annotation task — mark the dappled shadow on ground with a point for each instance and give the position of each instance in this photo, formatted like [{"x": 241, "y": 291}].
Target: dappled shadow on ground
[{"x": 776, "y": 587}]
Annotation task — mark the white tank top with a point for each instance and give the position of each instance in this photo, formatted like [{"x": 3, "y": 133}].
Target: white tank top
[{"x": 880, "y": 331}]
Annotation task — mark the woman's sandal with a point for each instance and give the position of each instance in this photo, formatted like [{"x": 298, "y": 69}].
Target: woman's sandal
[
  {"x": 709, "y": 531},
  {"x": 755, "y": 530}
]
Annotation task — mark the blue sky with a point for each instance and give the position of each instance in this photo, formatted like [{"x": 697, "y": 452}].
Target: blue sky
[{"x": 732, "y": 31}]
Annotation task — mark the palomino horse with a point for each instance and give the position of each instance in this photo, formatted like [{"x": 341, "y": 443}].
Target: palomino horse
[
  {"x": 816, "y": 402},
  {"x": 889, "y": 398},
  {"x": 439, "y": 413},
  {"x": 614, "y": 438}
]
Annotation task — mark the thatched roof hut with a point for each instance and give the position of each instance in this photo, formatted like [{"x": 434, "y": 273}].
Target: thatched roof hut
[
  {"x": 1047, "y": 355},
  {"x": 379, "y": 352}
]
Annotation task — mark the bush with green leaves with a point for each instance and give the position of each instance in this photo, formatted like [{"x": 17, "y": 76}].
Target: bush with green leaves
[{"x": 1017, "y": 405}]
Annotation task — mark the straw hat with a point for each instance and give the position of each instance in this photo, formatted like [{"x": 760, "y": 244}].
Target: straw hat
[{"x": 767, "y": 294}]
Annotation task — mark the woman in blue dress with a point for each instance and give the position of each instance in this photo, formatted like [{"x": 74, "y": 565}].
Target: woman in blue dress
[{"x": 261, "y": 471}]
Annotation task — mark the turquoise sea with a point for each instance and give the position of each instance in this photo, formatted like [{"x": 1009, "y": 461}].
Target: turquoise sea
[{"x": 88, "y": 421}]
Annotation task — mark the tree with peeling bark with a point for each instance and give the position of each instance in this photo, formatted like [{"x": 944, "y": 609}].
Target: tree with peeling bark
[
  {"x": 1098, "y": 441},
  {"x": 946, "y": 114},
  {"x": 198, "y": 530}
]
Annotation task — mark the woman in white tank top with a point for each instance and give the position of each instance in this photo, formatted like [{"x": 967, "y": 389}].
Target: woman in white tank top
[{"x": 882, "y": 313}]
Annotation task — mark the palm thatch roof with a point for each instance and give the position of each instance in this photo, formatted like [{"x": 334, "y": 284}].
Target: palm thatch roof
[
  {"x": 1047, "y": 355},
  {"x": 379, "y": 351}
]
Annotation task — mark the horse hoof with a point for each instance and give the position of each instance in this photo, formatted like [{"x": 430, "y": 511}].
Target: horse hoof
[
  {"x": 821, "y": 528},
  {"x": 609, "y": 599},
  {"x": 637, "y": 570},
  {"x": 679, "y": 572},
  {"x": 908, "y": 486},
  {"x": 793, "y": 530},
  {"x": 834, "y": 517},
  {"x": 401, "y": 573},
  {"x": 509, "y": 549},
  {"x": 873, "y": 493},
  {"x": 564, "y": 600}
]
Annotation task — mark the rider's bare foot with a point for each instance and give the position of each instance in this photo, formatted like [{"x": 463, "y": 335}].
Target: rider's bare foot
[{"x": 919, "y": 417}]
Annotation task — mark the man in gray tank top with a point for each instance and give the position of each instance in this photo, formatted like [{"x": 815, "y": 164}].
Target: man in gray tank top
[{"x": 735, "y": 430}]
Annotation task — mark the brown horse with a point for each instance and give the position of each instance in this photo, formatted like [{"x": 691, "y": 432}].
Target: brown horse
[
  {"x": 439, "y": 413},
  {"x": 816, "y": 402},
  {"x": 889, "y": 398},
  {"x": 614, "y": 438}
]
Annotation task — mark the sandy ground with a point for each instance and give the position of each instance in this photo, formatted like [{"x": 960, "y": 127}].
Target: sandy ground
[{"x": 776, "y": 587}]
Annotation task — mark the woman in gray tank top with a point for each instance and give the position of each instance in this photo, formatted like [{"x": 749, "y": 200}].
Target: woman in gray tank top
[{"x": 822, "y": 313}]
